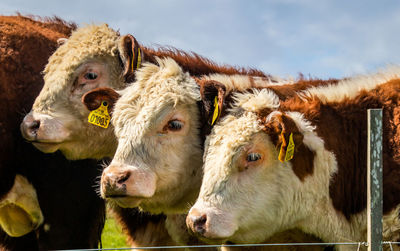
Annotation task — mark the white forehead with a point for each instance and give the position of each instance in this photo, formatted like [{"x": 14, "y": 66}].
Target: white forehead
[
  {"x": 232, "y": 132},
  {"x": 86, "y": 42},
  {"x": 236, "y": 129},
  {"x": 157, "y": 87}
]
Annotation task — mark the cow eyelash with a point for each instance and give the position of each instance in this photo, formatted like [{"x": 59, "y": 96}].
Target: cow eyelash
[
  {"x": 90, "y": 76},
  {"x": 253, "y": 157},
  {"x": 174, "y": 125}
]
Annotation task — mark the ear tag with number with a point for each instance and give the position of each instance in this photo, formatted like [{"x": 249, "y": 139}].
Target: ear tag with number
[
  {"x": 100, "y": 116},
  {"x": 216, "y": 111},
  {"x": 286, "y": 155}
]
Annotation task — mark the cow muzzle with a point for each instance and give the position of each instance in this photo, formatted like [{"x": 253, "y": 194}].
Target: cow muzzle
[
  {"x": 44, "y": 132},
  {"x": 210, "y": 224},
  {"x": 30, "y": 127},
  {"x": 126, "y": 185},
  {"x": 20, "y": 212}
]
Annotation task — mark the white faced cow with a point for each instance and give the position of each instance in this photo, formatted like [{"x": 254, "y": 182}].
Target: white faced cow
[{"x": 271, "y": 165}]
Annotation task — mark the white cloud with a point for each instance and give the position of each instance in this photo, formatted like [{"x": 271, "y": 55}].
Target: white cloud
[{"x": 322, "y": 38}]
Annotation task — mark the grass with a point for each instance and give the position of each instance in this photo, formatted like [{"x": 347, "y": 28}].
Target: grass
[{"x": 112, "y": 236}]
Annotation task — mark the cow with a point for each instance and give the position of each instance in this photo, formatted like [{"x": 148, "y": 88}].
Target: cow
[
  {"x": 271, "y": 165},
  {"x": 160, "y": 122},
  {"x": 46, "y": 201}
]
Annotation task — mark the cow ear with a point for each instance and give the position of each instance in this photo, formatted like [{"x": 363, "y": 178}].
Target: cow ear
[
  {"x": 93, "y": 99},
  {"x": 212, "y": 98},
  {"x": 131, "y": 56},
  {"x": 284, "y": 134}
]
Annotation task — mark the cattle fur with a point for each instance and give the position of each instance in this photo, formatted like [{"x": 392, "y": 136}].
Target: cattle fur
[
  {"x": 135, "y": 116},
  {"x": 329, "y": 200},
  {"x": 101, "y": 44},
  {"x": 73, "y": 213}
]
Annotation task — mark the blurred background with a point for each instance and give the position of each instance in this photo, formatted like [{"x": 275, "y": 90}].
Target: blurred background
[{"x": 319, "y": 38}]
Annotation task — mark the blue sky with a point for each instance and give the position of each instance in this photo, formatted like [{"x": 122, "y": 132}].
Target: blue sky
[{"x": 319, "y": 38}]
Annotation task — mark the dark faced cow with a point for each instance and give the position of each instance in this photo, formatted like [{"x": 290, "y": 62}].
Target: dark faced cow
[{"x": 273, "y": 165}]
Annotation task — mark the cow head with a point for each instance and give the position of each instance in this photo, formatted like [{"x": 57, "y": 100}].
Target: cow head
[
  {"x": 93, "y": 57},
  {"x": 19, "y": 210},
  {"x": 158, "y": 159},
  {"x": 256, "y": 160}
]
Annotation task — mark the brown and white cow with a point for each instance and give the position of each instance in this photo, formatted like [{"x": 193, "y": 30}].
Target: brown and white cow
[
  {"x": 37, "y": 188},
  {"x": 273, "y": 165}
]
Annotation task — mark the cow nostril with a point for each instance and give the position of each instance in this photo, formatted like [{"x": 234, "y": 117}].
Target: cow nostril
[
  {"x": 199, "y": 223},
  {"x": 33, "y": 126},
  {"x": 124, "y": 177}
]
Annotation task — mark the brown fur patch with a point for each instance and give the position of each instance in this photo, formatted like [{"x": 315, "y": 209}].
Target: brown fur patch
[
  {"x": 285, "y": 91},
  {"x": 93, "y": 98},
  {"x": 140, "y": 227},
  {"x": 282, "y": 126},
  {"x": 343, "y": 127}
]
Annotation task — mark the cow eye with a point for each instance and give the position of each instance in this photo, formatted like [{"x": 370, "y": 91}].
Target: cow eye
[
  {"x": 90, "y": 76},
  {"x": 175, "y": 125},
  {"x": 251, "y": 157}
]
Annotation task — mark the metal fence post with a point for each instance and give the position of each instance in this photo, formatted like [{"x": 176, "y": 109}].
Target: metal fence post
[{"x": 374, "y": 180}]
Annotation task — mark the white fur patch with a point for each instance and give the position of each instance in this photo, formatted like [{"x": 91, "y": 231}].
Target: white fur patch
[
  {"x": 242, "y": 82},
  {"x": 349, "y": 88},
  {"x": 257, "y": 100}
]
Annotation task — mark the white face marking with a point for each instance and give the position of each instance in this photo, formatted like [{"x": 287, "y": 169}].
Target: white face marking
[
  {"x": 63, "y": 123},
  {"x": 239, "y": 160},
  {"x": 156, "y": 122},
  {"x": 87, "y": 60}
]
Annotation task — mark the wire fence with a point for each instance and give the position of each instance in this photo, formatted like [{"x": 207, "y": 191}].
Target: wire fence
[
  {"x": 357, "y": 245},
  {"x": 374, "y": 210}
]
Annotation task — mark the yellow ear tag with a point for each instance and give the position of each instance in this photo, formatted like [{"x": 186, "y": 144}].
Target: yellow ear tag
[
  {"x": 288, "y": 154},
  {"x": 100, "y": 116},
  {"x": 139, "y": 59},
  {"x": 290, "y": 148},
  {"x": 216, "y": 111}
]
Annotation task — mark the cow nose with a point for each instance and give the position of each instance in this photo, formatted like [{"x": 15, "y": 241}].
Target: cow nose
[
  {"x": 197, "y": 222},
  {"x": 30, "y": 127},
  {"x": 114, "y": 184}
]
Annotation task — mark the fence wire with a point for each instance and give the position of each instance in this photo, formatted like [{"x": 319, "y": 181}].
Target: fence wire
[{"x": 359, "y": 244}]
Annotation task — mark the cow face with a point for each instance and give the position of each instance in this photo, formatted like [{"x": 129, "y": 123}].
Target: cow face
[
  {"x": 93, "y": 57},
  {"x": 248, "y": 193},
  {"x": 19, "y": 209},
  {"x": 157, "y": 162}
]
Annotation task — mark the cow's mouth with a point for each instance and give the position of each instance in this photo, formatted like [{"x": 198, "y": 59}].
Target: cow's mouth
[
  {"x": 126, "y": 201},
  {"x": 17, "y": 222}
]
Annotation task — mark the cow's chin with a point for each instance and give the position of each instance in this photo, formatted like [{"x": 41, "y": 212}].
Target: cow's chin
[
  {"x": 127, "y": 202},
  {"x": 16, "y": 221},
  {"x": 47, "y": 147}
]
